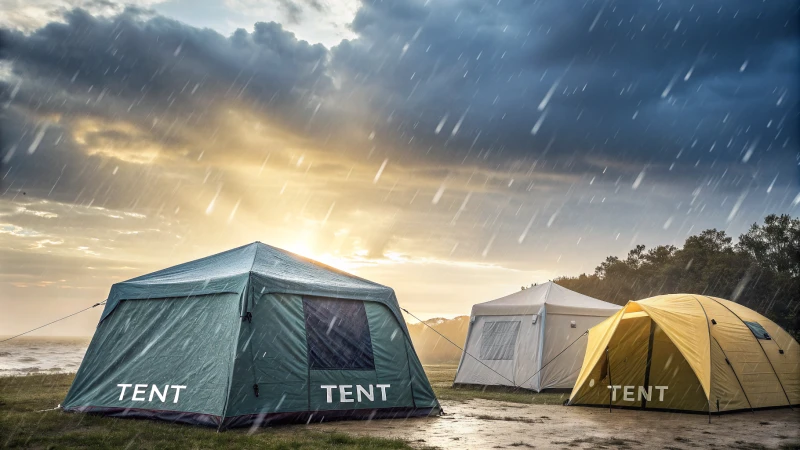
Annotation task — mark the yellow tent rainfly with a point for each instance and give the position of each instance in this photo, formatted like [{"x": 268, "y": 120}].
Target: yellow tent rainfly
[{"x": 692, "y": 353}]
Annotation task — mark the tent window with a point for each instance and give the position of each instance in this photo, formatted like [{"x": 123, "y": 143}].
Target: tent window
[
  {"x": 758, "y": 330},
  {"x": 337, "y": 333},
  {"x": 499, "y": 340}
]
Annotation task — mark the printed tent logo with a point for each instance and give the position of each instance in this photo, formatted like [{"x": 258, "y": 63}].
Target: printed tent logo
[
  {"x": 253, "y": 335},
  {"x": 688, "y": 352}
]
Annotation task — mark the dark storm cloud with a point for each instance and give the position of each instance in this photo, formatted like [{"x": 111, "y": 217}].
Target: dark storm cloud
[
  {"x": 614, "y": 86},
  {"x": 138, "y": 66},
  {"x": 635, "y": 81},
  {"x": 166, "y": 80}
]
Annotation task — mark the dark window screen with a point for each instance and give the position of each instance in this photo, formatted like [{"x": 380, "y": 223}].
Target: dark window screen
[
  {"x": 758, "y": 330},
  {"x": 337, "y": 333}
]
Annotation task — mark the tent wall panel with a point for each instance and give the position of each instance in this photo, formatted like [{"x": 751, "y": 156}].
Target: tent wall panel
[
  {"x": 388, "y": 343},
  {"x": 725, "y": 386},
  {"x": 746, "y": 356},
  {"x": 685, "y": 323},
  {"x": 473, "y": 371},
  {"x": 786, "y": 364},
  {"x": 159, "y": 342},
  {"x": 669, "y": 368},
  {"x": 627, "y": 361},
  {"x": 527, "y": 352},
  {"x": 559, "y": 333},
  {"x": 595, "y": 390},
  {"x": 272, "y": 353},
  {"x": 596, "y": 344}
]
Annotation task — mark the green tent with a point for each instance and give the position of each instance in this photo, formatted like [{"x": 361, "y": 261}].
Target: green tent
[{"x": 251, "y": 336}]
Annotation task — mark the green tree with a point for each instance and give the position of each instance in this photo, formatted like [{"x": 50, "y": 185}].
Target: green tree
[{"x": 761, "y": 271}]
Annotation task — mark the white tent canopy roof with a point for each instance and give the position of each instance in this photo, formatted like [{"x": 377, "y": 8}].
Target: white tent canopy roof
[{"x": 550, "y": 296}]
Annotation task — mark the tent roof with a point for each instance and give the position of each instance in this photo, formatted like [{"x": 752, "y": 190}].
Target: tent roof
[
  {"x": 556, "y": 299},
  {"x": 257, "y": 258},
  {"x": 269, "y": 268}
]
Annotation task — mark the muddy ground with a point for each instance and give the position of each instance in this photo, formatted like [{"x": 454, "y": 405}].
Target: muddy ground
[{"x": 485, "y": 424}]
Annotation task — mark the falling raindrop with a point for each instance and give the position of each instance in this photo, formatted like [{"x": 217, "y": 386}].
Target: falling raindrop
[
  {"x": 539, "y": 122},
  {"x": 669, "y": 87},
  {"x": 489, "y": 245},
  {"x": 441, "y": 123},
  {"x": 210, "y": 207},
  {"x": 233, "y": 211},
  {"x": 38, "y": 139},
  {"x": 638, "y": 180},
  {"x": 380, "y": 171},
  {"x": 458, "y": 124},
  {"x": 546, "y": 99},
  {"x": 439, "y": 193}
]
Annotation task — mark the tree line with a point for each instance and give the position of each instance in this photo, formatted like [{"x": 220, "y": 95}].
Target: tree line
[{"x": 761, "y": 270}]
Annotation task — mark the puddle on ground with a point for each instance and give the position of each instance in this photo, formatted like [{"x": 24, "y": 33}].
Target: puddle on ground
[{"x": 489, "y": 424}]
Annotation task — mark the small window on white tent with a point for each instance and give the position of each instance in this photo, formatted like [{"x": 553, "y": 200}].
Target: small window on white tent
[{"x": 499, "y": 339}]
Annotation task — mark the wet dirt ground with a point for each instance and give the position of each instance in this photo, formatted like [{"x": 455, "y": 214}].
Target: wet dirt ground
[{"x": 485, "y": 424}]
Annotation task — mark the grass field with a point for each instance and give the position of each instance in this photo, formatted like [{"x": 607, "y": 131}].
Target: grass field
[
  {"x": 441, "y": 378},
  {"x": 22, "y": 425}
]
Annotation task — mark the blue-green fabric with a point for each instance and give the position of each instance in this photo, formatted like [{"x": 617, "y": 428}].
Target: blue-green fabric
[
  {"x": 272, "y": 354},
  {"x": 265, "y": 269},
  {"x": 170, "y": 342},
  {"x": 275, "y": 358},
  {"x": 228, "y": 335}
]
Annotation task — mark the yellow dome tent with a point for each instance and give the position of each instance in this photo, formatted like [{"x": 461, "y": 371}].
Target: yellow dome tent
[{"x": 692, "y": 353}]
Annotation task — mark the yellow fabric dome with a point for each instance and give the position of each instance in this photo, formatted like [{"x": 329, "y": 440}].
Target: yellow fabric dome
[{"x": 688, "y": 352}]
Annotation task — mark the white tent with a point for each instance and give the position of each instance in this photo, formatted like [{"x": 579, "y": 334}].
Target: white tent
[{"x": 511, "y": 338}]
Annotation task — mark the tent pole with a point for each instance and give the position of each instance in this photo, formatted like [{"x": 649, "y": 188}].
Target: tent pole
[
  {"x": 708, "y": 325},
  {"x": 610, "y": 384}
]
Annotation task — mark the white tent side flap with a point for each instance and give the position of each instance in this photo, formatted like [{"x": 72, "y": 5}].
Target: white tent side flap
[{"x": 512, "y": 337}]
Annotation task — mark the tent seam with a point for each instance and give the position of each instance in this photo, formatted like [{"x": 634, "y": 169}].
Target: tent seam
[
  {"x": 741, "y": 386},
  {"x": 466, "y": 342},
  {"x": 708, "y": 327},
  {"x": 235, "y": 346},
  {"x": 542, "y": 330}
]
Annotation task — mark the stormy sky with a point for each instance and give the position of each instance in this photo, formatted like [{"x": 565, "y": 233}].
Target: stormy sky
[{"x": 452, "y": 149}]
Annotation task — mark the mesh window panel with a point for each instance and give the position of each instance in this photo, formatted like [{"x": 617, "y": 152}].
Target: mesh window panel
[
  {"x": 499, "y": 339},
  {"x": 758, "y": 330},
  {"x": 337, "y": 333}
]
